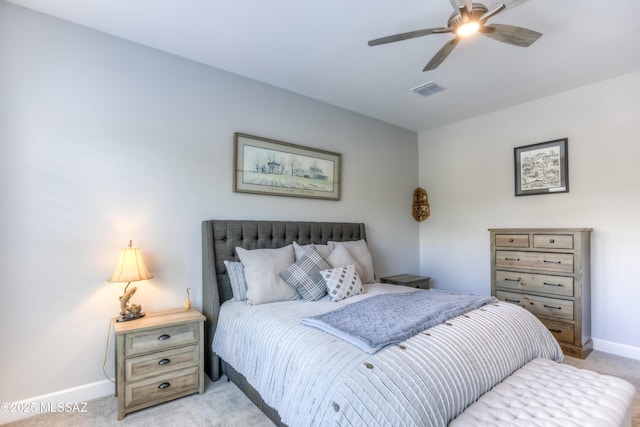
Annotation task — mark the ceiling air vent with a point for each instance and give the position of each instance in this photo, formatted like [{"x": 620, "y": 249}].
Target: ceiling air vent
[{"x": 428, "y": 88}]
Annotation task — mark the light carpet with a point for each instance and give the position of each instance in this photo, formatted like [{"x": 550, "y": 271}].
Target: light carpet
[{"x": 224, "y": 405}]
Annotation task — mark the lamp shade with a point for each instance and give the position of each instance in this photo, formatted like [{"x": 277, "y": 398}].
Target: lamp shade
[{"x": 130, "y": 267}]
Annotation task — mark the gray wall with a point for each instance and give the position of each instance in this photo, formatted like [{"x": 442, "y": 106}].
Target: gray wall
[
  {"x": 467, "y": 168},
  {"x": 102, "y": 141}
]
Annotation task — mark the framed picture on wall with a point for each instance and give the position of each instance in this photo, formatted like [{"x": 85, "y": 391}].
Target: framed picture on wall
[
  {"x": 542, "y": 168},
  {"x": 267, "y": 166}
]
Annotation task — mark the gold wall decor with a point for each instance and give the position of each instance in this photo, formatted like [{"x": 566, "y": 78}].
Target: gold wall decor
[{"x": 420, "y": 209}]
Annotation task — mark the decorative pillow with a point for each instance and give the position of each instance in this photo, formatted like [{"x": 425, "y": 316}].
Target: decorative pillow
[
  {"x": 341, "y": 256},
  {"x": 305, "y": 275},
  {"x": 360, "y": 252},
  {"x": 235, "y": 270},
  {"x": 342, "y": 282},
  {"x": 324, "y": 250},
  {"x": 262, "y": 269}
]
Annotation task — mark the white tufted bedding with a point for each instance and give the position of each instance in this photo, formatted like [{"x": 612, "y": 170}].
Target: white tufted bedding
[
  {"x": 314, "y": 379},
  {"x": 544, "y": 393}
]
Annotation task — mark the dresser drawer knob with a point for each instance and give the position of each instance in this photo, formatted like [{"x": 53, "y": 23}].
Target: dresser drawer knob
[
  {"x": 552, "y": 307},
  {"x": 164, "y": 362},
  {"x": 510, "y": 240},
  {"x": 552, "y": 241},
  {"x": 164, "y": 337},
  {"x": 551, "y": 284},
  {"x": 164, "y": 385}
]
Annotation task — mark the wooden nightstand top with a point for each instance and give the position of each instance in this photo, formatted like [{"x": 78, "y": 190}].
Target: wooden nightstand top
[
  {"x": 403, "y": 278},
  {"x": 159, "y": 318}
]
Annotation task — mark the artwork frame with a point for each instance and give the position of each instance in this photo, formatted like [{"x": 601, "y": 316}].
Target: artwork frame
[
  {"x": 268, "y": 166},
  {"x": 542, "y": 168}
]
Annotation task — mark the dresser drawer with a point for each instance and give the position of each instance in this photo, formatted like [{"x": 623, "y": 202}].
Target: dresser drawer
[
  {"x": 529, "y": 282},
  {"x": 553, "y": 262},
  {"x": 161, "y": 338},
  {"x": 562, "y": 331},
  {"x": 553, "y": 241},
  {"x": 543, "y": 306},
  {"x": 512, "y": 240},
  {"x": 158, "y": 363},
  {"x": 161, "y": 387}
]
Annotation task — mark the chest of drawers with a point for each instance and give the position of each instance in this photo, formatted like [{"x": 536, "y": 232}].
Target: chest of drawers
[
  {"x": 547, "y": 271},
  {"x": 159, "y": 357}
]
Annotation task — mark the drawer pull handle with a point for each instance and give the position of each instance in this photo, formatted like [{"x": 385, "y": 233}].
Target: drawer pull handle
[
  {"x": 507, "y": 279},
  {"x": 164, "y": 385},
  {"x": 550, "y": 306},
  {"x": 557, "y": 331},
  {"x": 511, "y": 259},
  {"x": 512, "y": 300},
  {"x": 551, "y": 284},
  {"x": 164, "y": 362},
  {"x": 552, "y": 241},
  {"x": 552, "y": 262},
  {"x": 164, "y": 337}
]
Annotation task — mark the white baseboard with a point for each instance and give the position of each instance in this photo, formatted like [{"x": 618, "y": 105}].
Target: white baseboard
[
  {"x": 72, "y": 399},
  {"x": 617, "y": 349}
]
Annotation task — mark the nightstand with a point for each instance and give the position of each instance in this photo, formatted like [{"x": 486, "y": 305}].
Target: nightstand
[
  {"x": 411, "y": 280},
  {"x": 159, "y": 357}
]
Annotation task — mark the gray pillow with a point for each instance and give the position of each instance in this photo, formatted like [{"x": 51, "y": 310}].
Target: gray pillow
[
  {"x": 305, "y": 275},
  {"x": 235, "y": 270}
]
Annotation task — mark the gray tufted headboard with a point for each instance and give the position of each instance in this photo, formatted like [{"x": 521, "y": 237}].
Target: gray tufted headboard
[{"x": 219, "y": 241}]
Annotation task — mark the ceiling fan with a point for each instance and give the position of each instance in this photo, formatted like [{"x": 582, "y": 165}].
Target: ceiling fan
[{"x": 467, "y": 19}]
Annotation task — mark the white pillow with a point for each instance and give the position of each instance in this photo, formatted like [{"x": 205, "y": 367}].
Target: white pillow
[
  {"x": 262, "y": 269},
  {"x": 298, "y": 249},
  {"x": 342, "y": 282},
  {"x": 340, "y": 256},
  {"x": 235, "y": 270},
  {"x": 360, "y": 252}
]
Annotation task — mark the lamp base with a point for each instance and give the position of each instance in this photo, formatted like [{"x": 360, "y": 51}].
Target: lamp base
[{"x": 129, "y": 316}]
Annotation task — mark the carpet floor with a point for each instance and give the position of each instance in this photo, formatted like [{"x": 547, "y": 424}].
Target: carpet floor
[{"x": 224, "y": 405}]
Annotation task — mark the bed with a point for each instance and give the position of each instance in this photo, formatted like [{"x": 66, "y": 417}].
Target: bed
[{"x": 301, "y": 376}]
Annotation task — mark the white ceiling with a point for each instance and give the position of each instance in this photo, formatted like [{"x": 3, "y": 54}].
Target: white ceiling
[{"x": 318, "y": 48}]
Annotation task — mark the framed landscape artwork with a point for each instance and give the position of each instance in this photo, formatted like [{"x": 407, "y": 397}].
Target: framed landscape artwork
[
  {"x": 267, "y": 166},
  {"x": 542, "y": 168}
]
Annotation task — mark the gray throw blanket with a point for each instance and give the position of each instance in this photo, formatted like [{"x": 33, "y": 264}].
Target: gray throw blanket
[{"x": 376, "y": 322}]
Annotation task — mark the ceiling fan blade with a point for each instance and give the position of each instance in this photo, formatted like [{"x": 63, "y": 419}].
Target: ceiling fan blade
[
  {"x": 442, "y": 54},
  {"x": 405, "y": 36},
  {"x": 496, "y": 9},
  {"x": 509, "y": 4},
  {"x": 510, "y": 34}
]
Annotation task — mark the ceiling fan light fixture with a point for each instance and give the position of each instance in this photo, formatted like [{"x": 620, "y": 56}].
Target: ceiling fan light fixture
[{"x": 468, "y": 29}]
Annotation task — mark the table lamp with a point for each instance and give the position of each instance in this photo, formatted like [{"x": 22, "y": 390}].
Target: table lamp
[{"x": 130, "y": 268}]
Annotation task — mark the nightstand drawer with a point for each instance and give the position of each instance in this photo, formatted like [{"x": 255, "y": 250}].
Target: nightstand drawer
[
  {"x": 550, "y": 307},
  {"x": 161, "y": 338},
  {"x": 160, "y": 387},
  {"x": 158, "y": 363},
  {"x": 553, "y": 262},
  {"x": 553, "y": 241},
  {"x": 529, "y": 282},
  {"x": 512, "y": 240}
]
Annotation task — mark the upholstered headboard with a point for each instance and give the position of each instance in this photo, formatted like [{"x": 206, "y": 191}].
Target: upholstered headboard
[{"x": 219, "y": 241}]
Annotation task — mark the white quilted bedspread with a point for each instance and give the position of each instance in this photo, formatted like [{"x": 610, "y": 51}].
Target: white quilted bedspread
[
  {"x": 315, "y": 379},
  {"x": 546, "y": 393}
]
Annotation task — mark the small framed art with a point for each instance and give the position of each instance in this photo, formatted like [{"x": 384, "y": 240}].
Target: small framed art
[
  {"x": 542, "y": 168},
  {"x": 267, "y": 166}
]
